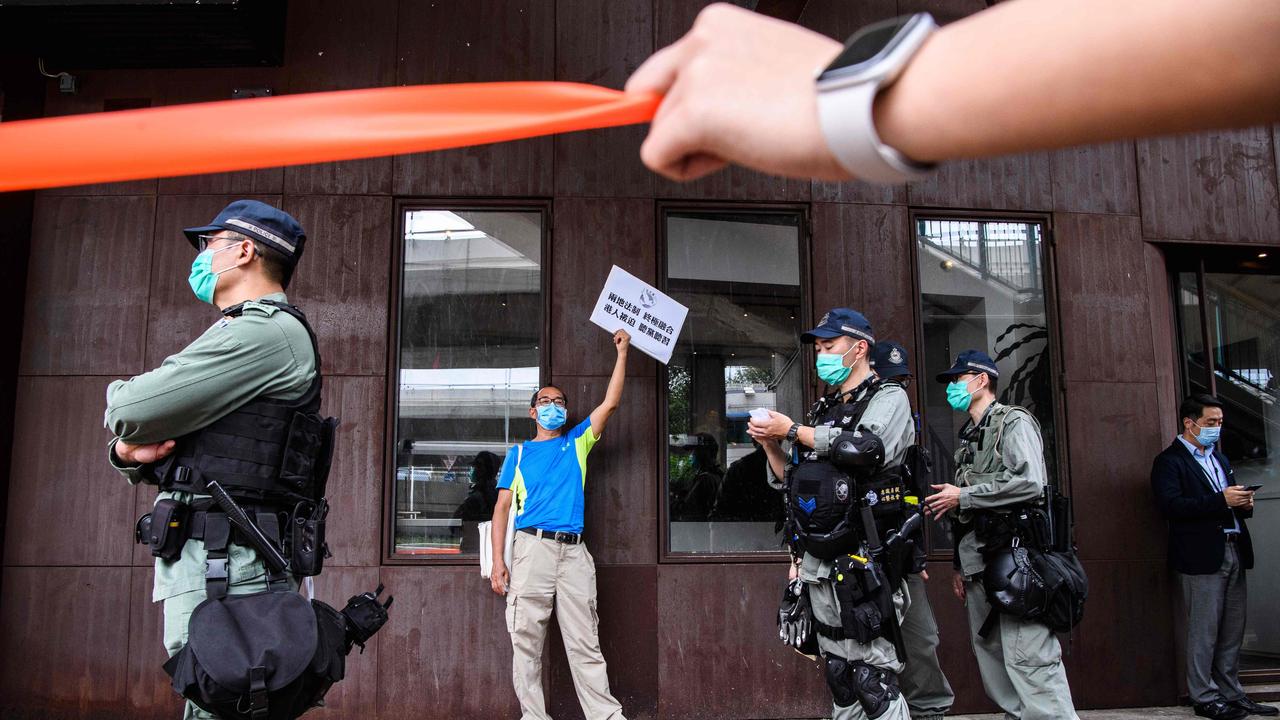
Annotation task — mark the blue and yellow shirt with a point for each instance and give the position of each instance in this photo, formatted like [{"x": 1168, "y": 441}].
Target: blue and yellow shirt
[{"x": 547, "y": 479}]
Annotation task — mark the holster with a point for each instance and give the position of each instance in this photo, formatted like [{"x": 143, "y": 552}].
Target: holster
[
  {"x": 308, "y": 549},
  {"x": 165, "y": 529},
  {"x": 865, "y": 601}
]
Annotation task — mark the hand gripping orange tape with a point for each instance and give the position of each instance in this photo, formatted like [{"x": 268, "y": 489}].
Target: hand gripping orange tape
[{"x": 296, "y": 129}]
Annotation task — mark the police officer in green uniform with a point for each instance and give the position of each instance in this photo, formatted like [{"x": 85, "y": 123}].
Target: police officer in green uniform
[
  {"x": 999, "y": 470},
  {"x": 923, "y": 683},
  {"x": 872, "y": 421},
  {"x": 259, "y": 351}
]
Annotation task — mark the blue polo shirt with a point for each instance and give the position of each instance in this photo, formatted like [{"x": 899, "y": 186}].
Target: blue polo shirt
[{"x": 549, "y": 481}]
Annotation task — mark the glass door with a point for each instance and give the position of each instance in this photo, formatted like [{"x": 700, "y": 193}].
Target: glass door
[{"x": 1228, "y": 307}]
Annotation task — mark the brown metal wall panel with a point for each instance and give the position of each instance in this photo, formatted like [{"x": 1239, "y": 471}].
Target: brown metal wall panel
[
  {"x": 477, "y": 41},
  {"x": 1219, "y": 186},
  {"x": 602, "y": 44},
  {"x": 718, "y": 654},
  {"x": 1115, "y": 432},
  {"x": 63, "y": 654},
  {"x": 1096, "y": 179},
  {"x": 342, "y": 282},
  {"x": 95, "y": 88},
  {"x": 589, "y": 237},
  {"x": 862, "y": 260},
  {"x": 174, "y": 316},
  {"x": 194, "y": 86},
  {"x": 628, "y": 602},
  {"x": 446, "y": 653},
  {"x": 1016, "y": 182},
  {"x": 1163, "y": 338},
  {"x": 621, "y": 512},
  {"x": 247, "y": 182},
  {"x": 59, "y": 455},
  {"x": 944, "y": 11},
  {"x": 87, "y": 286},
  {"x": 673, "y": 18},
  {"x": 151, "y": 696},
  {"x": 1102, "y": 305},
  {"x": 339, "y": 45},
  {"x": 355, "y": 482},
  {"x": 132, "y": 187},
  {"x": 1122, "y": 654}
]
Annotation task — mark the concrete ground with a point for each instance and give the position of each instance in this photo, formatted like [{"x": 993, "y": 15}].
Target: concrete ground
[{"x": 1124, "y": 714}]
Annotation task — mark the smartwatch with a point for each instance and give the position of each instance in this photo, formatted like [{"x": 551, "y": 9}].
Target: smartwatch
[{"x": 871, "y": 60}]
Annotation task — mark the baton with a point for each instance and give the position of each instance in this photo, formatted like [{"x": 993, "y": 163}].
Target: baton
[{"x": 240, "y": 520}]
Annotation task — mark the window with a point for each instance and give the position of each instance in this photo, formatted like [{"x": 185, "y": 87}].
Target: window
[
  {"x": 982, "y": 285},
  {"x": 469, "y": 356},
  {"x": 740, "y": 275}
]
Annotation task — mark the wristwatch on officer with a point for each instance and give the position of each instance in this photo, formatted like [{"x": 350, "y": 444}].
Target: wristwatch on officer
[
  {"x": 791, "y": 433},
  {"x": 871, "y": 60}
]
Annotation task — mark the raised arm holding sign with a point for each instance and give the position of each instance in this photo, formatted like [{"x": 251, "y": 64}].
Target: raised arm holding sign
[{"x": 650, "y": 317}]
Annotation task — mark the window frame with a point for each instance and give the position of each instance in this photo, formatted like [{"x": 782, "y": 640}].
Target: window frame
[
  {"x": 392, "y": 398},
  {"x": 1049, "y": 280},
  {"x": 802, "y": 211}
]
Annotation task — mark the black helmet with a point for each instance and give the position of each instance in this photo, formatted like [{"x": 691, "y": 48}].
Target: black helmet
[{"x": 1013, "y": 586}]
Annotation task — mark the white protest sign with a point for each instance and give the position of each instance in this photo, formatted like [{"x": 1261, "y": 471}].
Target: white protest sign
[{"x": 653, "y": 319}]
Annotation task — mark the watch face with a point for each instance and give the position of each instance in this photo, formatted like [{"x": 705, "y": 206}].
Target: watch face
[{"x": 868, "y": 43}]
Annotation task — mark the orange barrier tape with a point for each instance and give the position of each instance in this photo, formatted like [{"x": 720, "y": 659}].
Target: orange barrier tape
[{"x": 296, "y": 129}]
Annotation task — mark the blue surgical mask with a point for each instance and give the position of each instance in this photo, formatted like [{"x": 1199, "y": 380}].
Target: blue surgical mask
[
  {"x": 551, "y": 416},
  {"x": 203, "y": 279},
  {"x": 831, "y": 367},
  {"x": 958, "y": 395},
  {"x": 1207, "y": 435}
]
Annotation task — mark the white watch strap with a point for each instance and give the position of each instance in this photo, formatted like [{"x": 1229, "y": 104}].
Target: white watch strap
[{"x": 850, "y": 130}]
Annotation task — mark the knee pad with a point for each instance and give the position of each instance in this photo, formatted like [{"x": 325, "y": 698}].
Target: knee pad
[{"x": 856, "y": 681}]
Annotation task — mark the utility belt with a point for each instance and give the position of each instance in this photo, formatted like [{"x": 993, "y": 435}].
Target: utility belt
[
  {"x": 865, "y": 586},
  {"x": 1028, "y": 524},
  {"x": 298, "y": 531}
]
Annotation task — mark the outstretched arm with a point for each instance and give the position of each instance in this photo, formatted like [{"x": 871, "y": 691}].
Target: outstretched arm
[
  {"x": 613, "y": 395},
  {"x": 1095, "y": 70}
]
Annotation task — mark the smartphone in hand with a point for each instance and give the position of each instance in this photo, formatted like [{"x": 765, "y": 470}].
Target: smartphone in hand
[{"x": 1253, "y": 488}]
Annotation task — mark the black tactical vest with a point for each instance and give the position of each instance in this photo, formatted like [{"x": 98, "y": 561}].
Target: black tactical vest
[
  {"x": 268, "y": 451},
  {"x": 823, "y": 502}
]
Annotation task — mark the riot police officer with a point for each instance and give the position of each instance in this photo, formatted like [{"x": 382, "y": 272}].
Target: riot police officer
[
  {"x": 238, "y": 405},
  {"x": 1000, "y": 472},
  {"x": 923, "y": 683},
  {"x": 844, "y": 494}
]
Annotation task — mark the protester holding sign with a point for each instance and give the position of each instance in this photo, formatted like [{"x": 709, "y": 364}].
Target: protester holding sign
[{"x": 550, "y": 567}]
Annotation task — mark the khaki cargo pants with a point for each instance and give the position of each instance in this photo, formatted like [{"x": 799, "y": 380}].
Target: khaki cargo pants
[
  {"x": 1020, "y": 662},
  {"x": 547, "y": 574}
]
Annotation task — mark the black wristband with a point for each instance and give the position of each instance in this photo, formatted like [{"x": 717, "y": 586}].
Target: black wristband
[{"x": 795, "y": 430}]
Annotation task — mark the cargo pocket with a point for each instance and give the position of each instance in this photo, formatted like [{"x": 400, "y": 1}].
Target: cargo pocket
[
  {"x": 511, "y": 612},
  {"x": 1033, "y": 644},
  {"x": 595, "y": 617}
]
